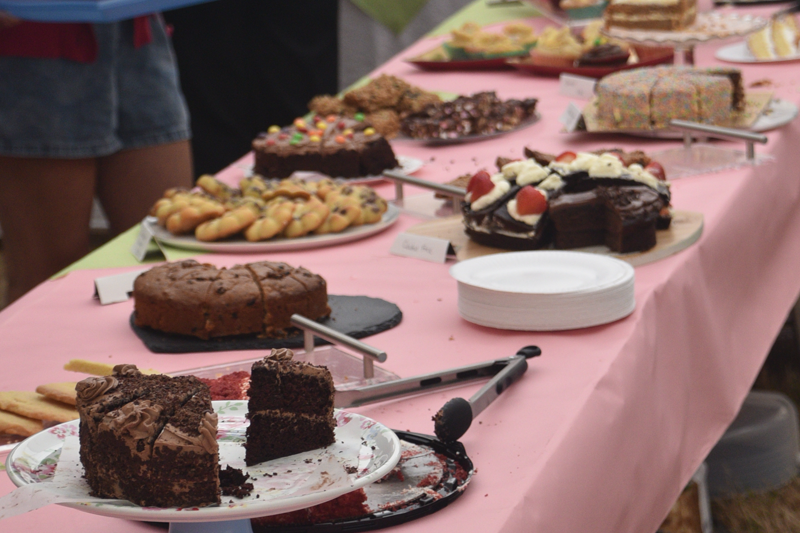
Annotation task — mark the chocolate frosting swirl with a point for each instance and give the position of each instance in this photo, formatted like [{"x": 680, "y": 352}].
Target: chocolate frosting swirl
[
  {"x": 139, "y": 420},
  {"x": 91, "y": 388},
  {"x": 281, "y": 354},
  {"x": 126, "y": 370},
  {"x": 174, "y": 438}
]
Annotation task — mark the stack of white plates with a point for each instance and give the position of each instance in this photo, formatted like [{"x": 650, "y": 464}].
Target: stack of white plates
[{"x": 544, "y": 290}]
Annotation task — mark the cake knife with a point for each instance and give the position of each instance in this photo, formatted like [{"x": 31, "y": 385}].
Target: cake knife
[{"x": 436, "y": 380}]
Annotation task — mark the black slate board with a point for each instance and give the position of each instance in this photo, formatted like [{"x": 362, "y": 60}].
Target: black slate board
[{"x": 356, "y": 316}]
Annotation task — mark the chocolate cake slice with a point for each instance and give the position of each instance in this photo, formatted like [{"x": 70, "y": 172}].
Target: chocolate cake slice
[
  {"x": 290, "y": 408},
  {"x": 150, "y": 439}
]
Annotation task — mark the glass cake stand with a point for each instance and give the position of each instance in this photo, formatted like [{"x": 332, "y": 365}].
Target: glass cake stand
[{"x": 709, "y": 26}]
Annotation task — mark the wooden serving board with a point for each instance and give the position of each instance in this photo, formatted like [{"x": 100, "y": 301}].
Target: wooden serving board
[{"x": 686, "y": 228}]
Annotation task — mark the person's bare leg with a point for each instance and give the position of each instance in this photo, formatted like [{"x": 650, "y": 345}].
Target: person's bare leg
[
  {"x": 129, "y": 182},
  {"x": 45, "y": 207}
]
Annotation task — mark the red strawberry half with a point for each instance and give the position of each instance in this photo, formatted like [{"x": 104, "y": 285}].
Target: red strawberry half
[
  {"x": 655, "y": 168},
  {"x": 566, "y": 157},
  {"x": 531, "y": 201},
  {"x": 479, "y": 185}
]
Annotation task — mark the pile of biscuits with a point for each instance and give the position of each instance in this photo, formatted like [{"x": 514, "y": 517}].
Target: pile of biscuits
[
  {"x": 383, "y": 101},
  {"x": 23, "y": 413},
  {"x": 262, "y": 209}
]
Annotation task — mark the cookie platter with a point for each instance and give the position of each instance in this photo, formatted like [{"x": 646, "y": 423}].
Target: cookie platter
[{"x": 237, "y": 246}]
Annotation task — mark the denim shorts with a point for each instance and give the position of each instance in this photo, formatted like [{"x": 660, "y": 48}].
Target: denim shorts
[{"x": 128, "y": 98}]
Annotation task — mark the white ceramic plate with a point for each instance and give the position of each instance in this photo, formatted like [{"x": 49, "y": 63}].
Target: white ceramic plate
[
  {"x": 708, "y": 27},
  {"x": 542, "y": 272},
  {"x": 302, "y": 480},
  {"x": 739, "y": 53},
  {"x": 241, "y": 246},
  {"x": 544, "y": 290}
]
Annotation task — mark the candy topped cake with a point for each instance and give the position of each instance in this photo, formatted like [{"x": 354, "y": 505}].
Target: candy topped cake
[
  {"x": 290, "y": 407},
  {"x": 648, "y": 98},
  {"x": 651, "y": 14},
  {"x": 336, "y": 146},
  {"x": 574, "y": 200},
  {"x": 150, "y": 439}
]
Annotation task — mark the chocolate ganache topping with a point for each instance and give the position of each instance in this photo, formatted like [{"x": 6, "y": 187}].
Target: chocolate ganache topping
[
  {"x": 138, "y": 419},
  {"x": 91, "y": 388}
]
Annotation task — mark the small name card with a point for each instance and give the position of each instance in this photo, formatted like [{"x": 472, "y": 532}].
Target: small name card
[
  {"x": 422, "y": 247},
  {"x": 579, "y": 87},
  {"x": 571, "y": 117},
  {"x": 117, "y": 288},
  {"x": 141, "y": 246}
]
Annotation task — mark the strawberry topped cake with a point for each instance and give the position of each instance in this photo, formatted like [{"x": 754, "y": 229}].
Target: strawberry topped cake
[{"x": 573, "y": 200}]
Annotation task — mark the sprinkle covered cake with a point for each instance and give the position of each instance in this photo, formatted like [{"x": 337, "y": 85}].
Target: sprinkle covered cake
[
  {"x": 573, "y": 200},
  {"x": 290, "y": 408},
  {"x": 334, "y": 145},
  {"x": 150, "y": 439},
  {"x": 201, "y": 300},
  {"x": 651, "y": 14},
  {"x": 648, "y": 98}
]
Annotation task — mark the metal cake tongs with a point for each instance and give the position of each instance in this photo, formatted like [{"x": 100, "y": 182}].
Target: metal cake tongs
[
  {"x": 400, "y": 387},
  {"x": 426, "y": 382}
]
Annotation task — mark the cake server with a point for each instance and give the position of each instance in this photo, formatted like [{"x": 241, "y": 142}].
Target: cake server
[
  {"x": 456, "y": 416},
  {"x": 436, "y": 380}
]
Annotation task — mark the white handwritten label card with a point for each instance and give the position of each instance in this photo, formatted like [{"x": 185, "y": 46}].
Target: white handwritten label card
[
  {"x": 579, "y": 87},
  {"x": 141, "y": 246},
  {"x": 117, "y": 288},
  {"x": 421, "y": 247},
  {"x": 571, "y": 117}
]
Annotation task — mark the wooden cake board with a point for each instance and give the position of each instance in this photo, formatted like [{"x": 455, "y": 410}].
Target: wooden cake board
[{"x": 685, "y": 230}]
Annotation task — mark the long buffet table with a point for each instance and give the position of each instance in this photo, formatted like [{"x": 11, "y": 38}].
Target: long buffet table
[{"x": 607, "y": 426}]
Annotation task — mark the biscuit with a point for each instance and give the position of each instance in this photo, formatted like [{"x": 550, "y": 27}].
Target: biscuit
[
  {"x": 307, "y": 217},
  {"x": 97, "y": 369},
  {"x": 14, "y": 424},
  {"x": 61, "y": 392},
  {"x": 34, "y": 405},
  {"x": 219, "y": 190},
  {"x": 273, "y": 221},
  {"x": 228, "y": 224}
]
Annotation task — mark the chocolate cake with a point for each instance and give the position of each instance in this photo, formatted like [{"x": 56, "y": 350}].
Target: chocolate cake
[
  {"x": 290, "y": 408},
  {"x": 480, "y": 114},
  {"x": 335, "y": 145},
  {"x": 581, "y": 200},
  {"x": 150, "y": 439},
  {"x": 201, "y": 300}
]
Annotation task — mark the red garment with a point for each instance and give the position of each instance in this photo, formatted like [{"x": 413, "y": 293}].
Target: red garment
[{"x": 73, "y": 41}]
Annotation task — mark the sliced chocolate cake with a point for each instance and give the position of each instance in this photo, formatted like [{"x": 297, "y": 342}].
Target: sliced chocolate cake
[
  {"x": 150, "y": 439},
  {"x": 290, "y": 408},
  {"x": 201, "y": 300},
  {"x": 569, "y": 201}
]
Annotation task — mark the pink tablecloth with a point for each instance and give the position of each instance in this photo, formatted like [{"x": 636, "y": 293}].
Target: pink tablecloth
[{"x": 608, "y": 425}]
